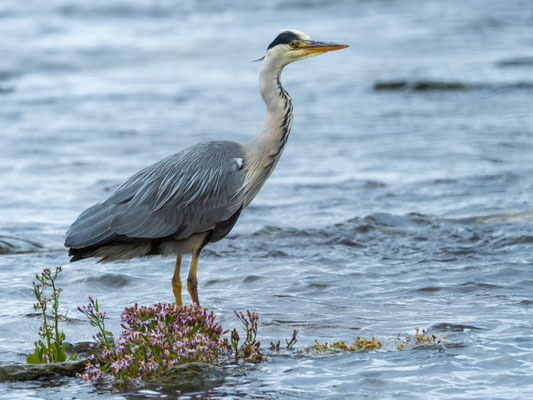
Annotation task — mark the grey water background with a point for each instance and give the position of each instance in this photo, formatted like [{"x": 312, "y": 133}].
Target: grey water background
[{"x": 403, "y": 198}]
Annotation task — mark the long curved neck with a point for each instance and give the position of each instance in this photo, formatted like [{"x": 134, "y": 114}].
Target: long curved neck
[{"x": 264, "y": 151}]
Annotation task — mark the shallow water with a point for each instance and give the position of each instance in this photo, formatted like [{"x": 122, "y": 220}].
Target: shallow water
[{"x": 394, "y": 206}]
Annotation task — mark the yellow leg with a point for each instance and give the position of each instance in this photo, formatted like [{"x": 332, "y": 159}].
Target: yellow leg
[
  {"x": 192, "y": 282},
  {"x": 176, "y": 282}
]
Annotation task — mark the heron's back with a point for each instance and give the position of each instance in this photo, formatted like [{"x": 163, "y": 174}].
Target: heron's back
[{"x": 181, "y": 195}]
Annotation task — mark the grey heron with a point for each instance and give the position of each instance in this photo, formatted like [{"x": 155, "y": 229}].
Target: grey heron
[{"x": 189, "y": 199}]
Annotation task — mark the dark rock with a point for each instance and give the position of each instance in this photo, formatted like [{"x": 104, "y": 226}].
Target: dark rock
[
  {"x": 391, "y": 85},
  {"x": 516, "y": 62},
  {"x": 421, "y": 85},
  {"x": 194, "y": 376},
  {"x": 82, "y": 349},
  {"x": 446, "y": 326},
  {"x": 431, "y": 85},
  {"x": 30, "y": 372},
  {"x": 14, "y": 245},
  {"x": 5, "y": 90}
]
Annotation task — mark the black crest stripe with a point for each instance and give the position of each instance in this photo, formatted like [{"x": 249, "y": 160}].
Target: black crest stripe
[{"x": 284, "y": 38}]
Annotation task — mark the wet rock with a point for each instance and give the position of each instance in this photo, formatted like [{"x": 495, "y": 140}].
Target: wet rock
[
  {"x": 82, "y": 349},
  {"x": 252, "y": 278},
  {"x": 429, "y": 85},
  {"x": 14, "y": 245},
  {"x": 516, "y": 62},
  {"x": 391, "y": 85},
  {"x": 189, "y": 377},
  {"x": 344, "y": 241},
  {"x": 45, "y": 372},
  {"x": 446, "y": 326},
  {"x": 6, "y": 89},
  {"x": 31, "y": 372},
  {"x": 108, "y": 280},
  {"x": 419, "y": 86}
]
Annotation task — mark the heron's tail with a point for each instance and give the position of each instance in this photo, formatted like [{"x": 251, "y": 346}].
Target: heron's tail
[
  {"x": 111, "y": 252},
  {"x": 91, "y": 228}
]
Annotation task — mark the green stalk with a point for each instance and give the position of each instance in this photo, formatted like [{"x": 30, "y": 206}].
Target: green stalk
[
  {"x": 45, "y": 323},
  {"x": 55, "y": 297}
]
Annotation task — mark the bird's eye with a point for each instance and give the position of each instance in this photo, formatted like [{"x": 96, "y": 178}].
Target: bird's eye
[{"x": 293, "y": 44}]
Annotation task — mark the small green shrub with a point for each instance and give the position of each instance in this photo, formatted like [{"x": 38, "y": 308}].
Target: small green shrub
[{"x": 50, "y": 347}]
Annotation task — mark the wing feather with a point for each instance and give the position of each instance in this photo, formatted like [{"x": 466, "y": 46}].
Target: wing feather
[{"x": 185, "y": 193}]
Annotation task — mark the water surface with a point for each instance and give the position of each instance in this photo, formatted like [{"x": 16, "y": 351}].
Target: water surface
[{"x": 402, "y": 200}]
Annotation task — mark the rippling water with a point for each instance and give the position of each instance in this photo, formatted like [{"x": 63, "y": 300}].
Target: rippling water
[{"x": 403, "y": 199}]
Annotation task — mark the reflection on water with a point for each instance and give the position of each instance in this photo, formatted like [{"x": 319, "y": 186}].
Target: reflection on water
[{"x": 403, "y": 198}]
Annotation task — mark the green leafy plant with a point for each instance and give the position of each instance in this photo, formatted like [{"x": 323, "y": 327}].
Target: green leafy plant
[
  {"x": 250, "y": 350},
  {"x": 96, "y": 318},
  {"x": 50, "y": 347}
]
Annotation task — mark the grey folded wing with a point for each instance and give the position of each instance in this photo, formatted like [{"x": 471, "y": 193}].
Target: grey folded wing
[{"x": 185, "y": 193}]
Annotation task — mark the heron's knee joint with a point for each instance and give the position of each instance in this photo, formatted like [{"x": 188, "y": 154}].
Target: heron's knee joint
[{"x": 192, "y": 281}]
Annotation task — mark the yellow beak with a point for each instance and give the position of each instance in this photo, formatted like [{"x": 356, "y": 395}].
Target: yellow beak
[{"x": 311, "y": 46}]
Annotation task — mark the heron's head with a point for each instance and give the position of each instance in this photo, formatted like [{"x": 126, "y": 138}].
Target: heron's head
[{"x": 291, "y": 45}]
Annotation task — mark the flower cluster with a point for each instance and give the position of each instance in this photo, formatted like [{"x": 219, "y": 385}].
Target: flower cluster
[{"x": 155, "y": 339}]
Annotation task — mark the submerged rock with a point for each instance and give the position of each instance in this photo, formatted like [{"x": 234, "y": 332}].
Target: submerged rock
[
  {"x": 421, "y": 85},
  {"x": 429, "y": 85},
  {"x": 30, "y": 372},
  {"x": 14, "y": 245},
  {"x": 194, "y": 376},
  {"x": 82, "y": 349}
]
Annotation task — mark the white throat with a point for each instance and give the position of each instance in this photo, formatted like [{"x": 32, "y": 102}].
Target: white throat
[{"x": 264, "y": 151}]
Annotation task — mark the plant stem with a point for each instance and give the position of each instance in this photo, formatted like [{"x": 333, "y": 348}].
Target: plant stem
[
  {"x": 55, "y": 297},
  {"x": 46, "y": 328}
]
